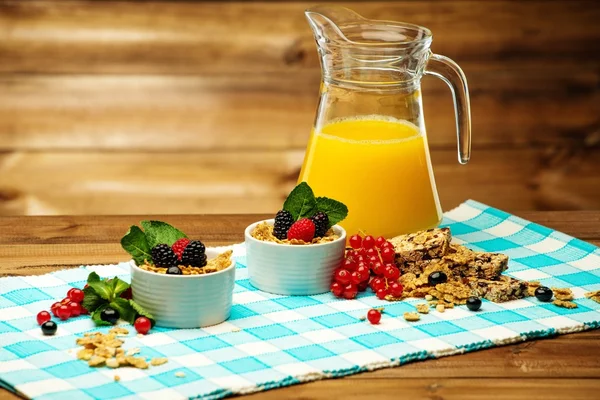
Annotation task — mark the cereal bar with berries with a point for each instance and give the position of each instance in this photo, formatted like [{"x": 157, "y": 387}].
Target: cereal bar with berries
[
  {"x": 500, "y": 290},
  {"x": 423, "y": 245},
  {"x": 465, "y": 262}
]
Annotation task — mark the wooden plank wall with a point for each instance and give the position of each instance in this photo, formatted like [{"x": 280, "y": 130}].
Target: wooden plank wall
[{"x": 111, "y": 107}]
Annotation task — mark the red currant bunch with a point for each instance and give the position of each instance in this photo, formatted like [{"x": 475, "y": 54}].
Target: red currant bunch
[{"x": 369, "y": 262}]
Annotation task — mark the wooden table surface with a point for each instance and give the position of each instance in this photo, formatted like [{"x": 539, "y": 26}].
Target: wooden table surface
[{"x": 565, "y": 367}]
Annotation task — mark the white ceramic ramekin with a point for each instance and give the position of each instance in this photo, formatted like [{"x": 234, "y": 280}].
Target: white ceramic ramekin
[
  {"x": 185, "y": 301},
  {"x": 292, "y": 269}
]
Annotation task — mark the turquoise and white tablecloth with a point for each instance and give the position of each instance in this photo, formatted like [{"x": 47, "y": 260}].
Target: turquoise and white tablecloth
[{"x": 272, "y": 341}]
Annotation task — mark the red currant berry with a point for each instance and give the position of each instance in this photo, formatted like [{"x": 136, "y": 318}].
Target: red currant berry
[
  {"x": 362, "y": 264},
  {"x": 142, "y": 325},
  {"x": 76, "y": 295},
  {"x": 66, "y": 300},
  {"x": 349, "y": 264},
  {"x": 54, "y": 308},
  {"x": 84, "y": 311},
  {"x": 362, "y": 252},
  {"x": 86, "y": 285},
  {"x": 391, "y": 273},
  {"x": 337, "y": 289},
  {"x": 389, "y": 265},
  {"x": 377, "y": 283},
  {"x": 75, "y": 309},
  {"x": 352, "y": 254},
  {"x": 64, "y": 312},
  {"x": 43, "y": 316},
  {"x": 373, "y": 259},
  {"x": 372, "y": 252},
  {"x": 374, "y": 316},
  {"x": 381, "y": 293},
  {"x": 387, "y": 245},
  {"x": 368, "y": 242},
  {"x": 388, "y": 255},
  {"x": 377, "y": 269},
  {"x": 364, "y": 273},
  {"x": 343, "y": 277},
  {"x": 350, "y": 291},
  {"x": 360, "y": 258},
  {"x": 379, "y": 242},
  {"x": 69, "y": 291},
  {"x": 356, "y": 278},
  {"x": 355, "y": 241},
  {"x": 363, "y": 286},
  {"x": 396, "y": 289}
]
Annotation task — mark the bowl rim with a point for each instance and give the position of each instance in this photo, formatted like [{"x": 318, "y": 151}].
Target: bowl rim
[
  {"x": 339, "y": 230},
  {"x": 149, "y": 273}
]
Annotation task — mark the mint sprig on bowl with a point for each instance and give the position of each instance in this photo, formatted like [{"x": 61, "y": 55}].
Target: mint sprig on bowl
[{"x": 305, "y": 217}]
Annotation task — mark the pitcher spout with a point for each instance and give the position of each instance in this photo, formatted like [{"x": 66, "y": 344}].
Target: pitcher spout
[{"x": 325, "y": 22}]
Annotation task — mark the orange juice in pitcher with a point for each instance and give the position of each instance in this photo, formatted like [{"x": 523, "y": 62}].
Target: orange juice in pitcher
[{"x": 368, "y": 147}]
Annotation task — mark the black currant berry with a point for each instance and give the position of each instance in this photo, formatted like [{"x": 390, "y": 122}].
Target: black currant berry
[
  {"x": 110, "y": 315},
  {"x": 173, "y": 271},
  {"x": 473, "y": 303},
  {"x": 543, "y": 293},
  {"x": 49, "y": 328},
  {"x": 437, "y": 277}
]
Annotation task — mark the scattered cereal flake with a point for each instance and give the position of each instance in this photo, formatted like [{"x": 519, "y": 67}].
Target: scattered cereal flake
[
  {"x": 122, "y": 360},
  {"x": 140, "y": 335},
  {"x": 120, "y": 352},
  {"x": 119, "y": 331},
  {"x": 180, "y": 374},
  {"x": 423, "y": 308},
  {"x": 563, "y": 293},
  {"x": 133, "y": 351},
  {"x": 565, "y": 304},
  {"x": 440, "y": 308},
  {"x": 236, "y": 330},
  {"x": 449, "y": 305},
  {"x": 137, "y": 362},
  {"x": 96, "y": 361},
  {"x": 112, "y": 363},
  {"x": 412, "y": 316},
  {"x": 85, "y": 354},
  {"x": 158, "y": 361},
  {"x": 595, "y": 296},
  {"x": 428, "y": 297},
  {"x": 117, "y": 378}
]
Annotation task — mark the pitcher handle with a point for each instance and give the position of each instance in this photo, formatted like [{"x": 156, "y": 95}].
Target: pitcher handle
[{"x": 448, "y": 71}]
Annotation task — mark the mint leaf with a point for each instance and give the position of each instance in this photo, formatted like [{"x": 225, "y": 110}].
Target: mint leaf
[
  {"x": 102, "y": 289},
  {"x": 91, "y": 301},
  {"x": 96, "y": 316},
  {"x": 117, "y": 286},
  {"x": 93, "y": 277},
  {"x": 335, "y": 210},
  {"x": 126, "y": 311},
  {"x": 140, "y": 311},
  {"x": 160, "y": 232},
  {"x": 301, "y": 202},
  {"x": 135, "y": 243}
]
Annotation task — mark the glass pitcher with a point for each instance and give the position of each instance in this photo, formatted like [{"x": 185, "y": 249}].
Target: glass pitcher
[{"x": 368, "y": 146}]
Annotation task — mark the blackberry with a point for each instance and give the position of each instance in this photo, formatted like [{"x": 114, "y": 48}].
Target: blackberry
[
  {"x": 283, "y": 222},
  {"x": 163, "y": 256},
  {"x": 321, "y": 221},
  {"x": 194, "y": 255}
]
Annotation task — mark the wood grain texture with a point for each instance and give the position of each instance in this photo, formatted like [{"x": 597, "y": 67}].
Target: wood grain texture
[
  {"x": 199, "y": 37},
  {"x": 564, "y": 367},
  {"x": 112, "y": 86}
]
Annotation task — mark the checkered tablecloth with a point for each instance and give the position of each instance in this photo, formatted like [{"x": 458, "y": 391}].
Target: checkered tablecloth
[{"x": 272, "y": 341}]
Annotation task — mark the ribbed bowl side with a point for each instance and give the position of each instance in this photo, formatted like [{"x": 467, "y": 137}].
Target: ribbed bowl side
[
  {"x": 184, "y": 302},
  {"x": 293, "y": 270}
]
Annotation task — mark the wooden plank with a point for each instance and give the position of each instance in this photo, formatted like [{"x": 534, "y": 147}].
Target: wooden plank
[
  {"x": 269, "y": 111},
  {"x": 53, "y": 183},
  {"x": 435, "y": 388},
  {"x": 197, "y": 37}
]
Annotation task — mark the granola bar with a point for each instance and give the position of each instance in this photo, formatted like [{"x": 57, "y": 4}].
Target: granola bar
[
  {"x": 454, "y": 292},
  {"x": 424, "y": 245},
  {"x": 468, "y": 263},
  {"x": 503, "y": 289}
]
